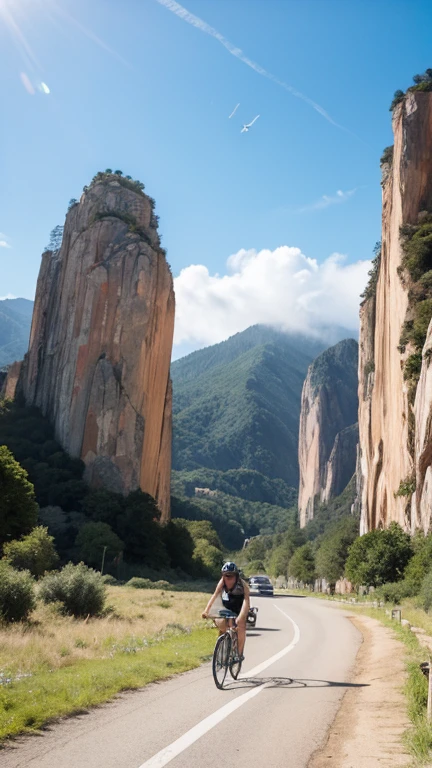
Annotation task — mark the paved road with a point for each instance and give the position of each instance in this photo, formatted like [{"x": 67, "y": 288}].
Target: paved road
[{"x": 297, "y": 668}]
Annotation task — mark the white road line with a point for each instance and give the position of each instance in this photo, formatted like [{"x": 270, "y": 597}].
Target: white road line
[
  {"x": 277, "y": 656},
  {"x": 169, "y": 753}
]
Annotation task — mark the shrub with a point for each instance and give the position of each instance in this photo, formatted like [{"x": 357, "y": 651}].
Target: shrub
[
  {"x": 398, "y": 96},
  {"x": 35, "y": 552},
  {"x": 17, "y": 598},
  {"x": 412, "y": 368},
  {"x": 406, "y": 487},
  {"x": 109, "y": 579},
  {"x": 426, "y": 592},
  {"x": 387, "y": 155},
  {"x": 138, "y": 583},
  {"x": 395, "y": 592},
  {"x": 80, "y": 590}
]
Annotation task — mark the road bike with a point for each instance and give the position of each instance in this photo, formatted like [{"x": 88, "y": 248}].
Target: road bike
[{"x": 226, "y": 653}]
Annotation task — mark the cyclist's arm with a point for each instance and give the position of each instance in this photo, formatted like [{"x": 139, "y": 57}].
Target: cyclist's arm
[
  {"x": 215, "y": 594},
  {"x": 246, "y": 604}
]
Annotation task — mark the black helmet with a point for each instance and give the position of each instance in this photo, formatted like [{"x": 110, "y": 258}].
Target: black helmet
[{"x": 230, "y": 568}]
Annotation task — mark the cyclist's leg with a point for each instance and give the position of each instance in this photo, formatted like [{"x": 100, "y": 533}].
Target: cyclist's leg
[
  {"x": 241, "y": 634},
  {"x": 221, "y": 625}
]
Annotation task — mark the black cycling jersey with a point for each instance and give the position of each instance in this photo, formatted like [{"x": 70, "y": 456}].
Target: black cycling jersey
[{"x": 233, "y": 599}]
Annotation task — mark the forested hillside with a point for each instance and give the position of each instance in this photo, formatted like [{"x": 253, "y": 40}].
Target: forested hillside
[{"x": 237, "y": 404}]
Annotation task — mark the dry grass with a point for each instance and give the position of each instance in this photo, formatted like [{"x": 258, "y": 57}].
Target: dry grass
[{"x": 51, "y": 641}]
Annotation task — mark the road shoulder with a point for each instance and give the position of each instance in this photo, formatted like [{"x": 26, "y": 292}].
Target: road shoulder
[{"x": 368, "y": 728}]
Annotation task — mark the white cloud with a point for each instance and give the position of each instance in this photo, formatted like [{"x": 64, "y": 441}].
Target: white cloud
[
  {"x": 8, "y": 296},
  {"x": 282, "y": 287},
  {"x": 326, "y": 200},
  {"x": 4, "y": 244}
]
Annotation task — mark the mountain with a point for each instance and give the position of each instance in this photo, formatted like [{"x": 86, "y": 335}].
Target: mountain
[
  {"x": 15, "y": 322},
  {"x": 236, "y": 405},
  {"x": 328, "y": 426},
  {"x": 394, "y": 479},
  {"x": 98, "y": 363}
]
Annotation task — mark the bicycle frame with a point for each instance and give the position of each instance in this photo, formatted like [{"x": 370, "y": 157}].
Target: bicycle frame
[{"x": 225, "y": 655}]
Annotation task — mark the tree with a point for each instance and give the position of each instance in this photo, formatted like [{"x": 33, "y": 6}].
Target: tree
[
  {"x": 35, "y": 552},
  {"x": 302, "y": 564},
  {"x": 108, "y": 170},
  {"x": 56, "y": 237},
  {"x": 282, "y": 554},
  {"x": 379, "y": 556},
  {"x": 419, "y": 565},
  {"x": 139, "y": 529},
  {"x": 118, "y": 173},
  {"x": 93, "y": 539},
  {"x": 397, "y": 97},
  {"x": 18, "y": 508},
  {"x": 73, "y": 201},
  {"x": 332, "y": 553}
]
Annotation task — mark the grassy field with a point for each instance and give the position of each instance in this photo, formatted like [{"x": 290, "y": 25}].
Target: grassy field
[{"x": 55, "y": 665}]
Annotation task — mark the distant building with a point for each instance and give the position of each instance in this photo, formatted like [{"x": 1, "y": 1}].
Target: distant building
[{"x": 205, "y": 492}]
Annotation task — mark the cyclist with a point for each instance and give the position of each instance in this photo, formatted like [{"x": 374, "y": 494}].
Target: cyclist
[{"x": 235, "y": 597}]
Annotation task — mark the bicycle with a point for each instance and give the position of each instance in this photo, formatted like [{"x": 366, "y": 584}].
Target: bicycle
[{"x": 226, "y": 653}]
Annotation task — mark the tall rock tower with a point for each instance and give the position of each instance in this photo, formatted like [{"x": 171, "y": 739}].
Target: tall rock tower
[
  {"x": 328, "y": 433},
  {"x": 101, "y": 339},
  {"x": 395, "y": 412}
]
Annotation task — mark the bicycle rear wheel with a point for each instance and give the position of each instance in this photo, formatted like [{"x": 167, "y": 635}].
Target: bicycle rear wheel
[
  {"x": 221, "y": 655},
  {"x": 235, "y": 666}
]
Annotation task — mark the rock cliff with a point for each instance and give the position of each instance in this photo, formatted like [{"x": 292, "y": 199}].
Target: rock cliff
[
  {"x": 101, "y": 340},
  {"x": 328, "y": 432},
  {"x": 393, "y": 432}
]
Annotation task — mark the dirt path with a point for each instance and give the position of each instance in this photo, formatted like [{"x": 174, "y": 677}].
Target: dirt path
[{"x": 368, "y": 728}]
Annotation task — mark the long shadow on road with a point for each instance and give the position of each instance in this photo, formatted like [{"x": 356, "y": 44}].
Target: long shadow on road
[{"x": 290, "y": 682}]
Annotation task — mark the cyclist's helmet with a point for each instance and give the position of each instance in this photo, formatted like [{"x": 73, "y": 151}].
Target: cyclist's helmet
[{"x": 230, "y": 568}]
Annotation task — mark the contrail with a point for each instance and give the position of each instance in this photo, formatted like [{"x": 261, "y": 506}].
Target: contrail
[
  {"x": 195, "y": 21},
  {"x": 234, "y": 111}
]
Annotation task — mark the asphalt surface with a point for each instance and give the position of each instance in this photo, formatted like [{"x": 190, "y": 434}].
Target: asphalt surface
[{"x": 298, "y": 664}]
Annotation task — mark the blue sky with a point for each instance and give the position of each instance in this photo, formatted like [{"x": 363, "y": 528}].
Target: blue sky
[{"x": 134, "y": 86}]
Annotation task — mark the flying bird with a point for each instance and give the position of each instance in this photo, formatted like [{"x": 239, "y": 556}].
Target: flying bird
[
  {"x": 234, "y": 111},
  {"x": 246, "y": 127}
]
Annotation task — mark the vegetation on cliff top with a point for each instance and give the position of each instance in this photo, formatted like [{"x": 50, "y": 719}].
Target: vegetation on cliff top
[{"x": 421, "y": 83}]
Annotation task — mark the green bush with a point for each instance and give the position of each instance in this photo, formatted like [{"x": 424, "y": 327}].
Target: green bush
[
  {"x": 398, "y": 96},
  {"x": 406, "y": 487},
  {"x": 394, "y": 592},
  {"x": 17, "y": 598},
  {"x": 110, "y": 580},
  {"x": 35, "y": 552},
  {"x": 80, "y": 590},
  {"x": 138, "y": 583},
  {"x": 387, "y": 155},
  {"x": 426, "y": 592}
]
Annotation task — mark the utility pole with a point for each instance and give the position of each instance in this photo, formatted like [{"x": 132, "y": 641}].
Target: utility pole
[{"x": 103, "y": 560}]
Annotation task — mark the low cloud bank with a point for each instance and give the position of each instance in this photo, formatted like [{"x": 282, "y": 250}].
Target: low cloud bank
[{"x": 283, "y": 288}]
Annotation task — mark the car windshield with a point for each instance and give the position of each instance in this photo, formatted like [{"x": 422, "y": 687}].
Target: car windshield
[{"x": 260, "y": 580}]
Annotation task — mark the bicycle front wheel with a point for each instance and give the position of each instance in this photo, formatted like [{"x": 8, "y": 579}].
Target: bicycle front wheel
[
  {"x": 235, "y": 666},
  {"x": 221, "y": 655}
]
